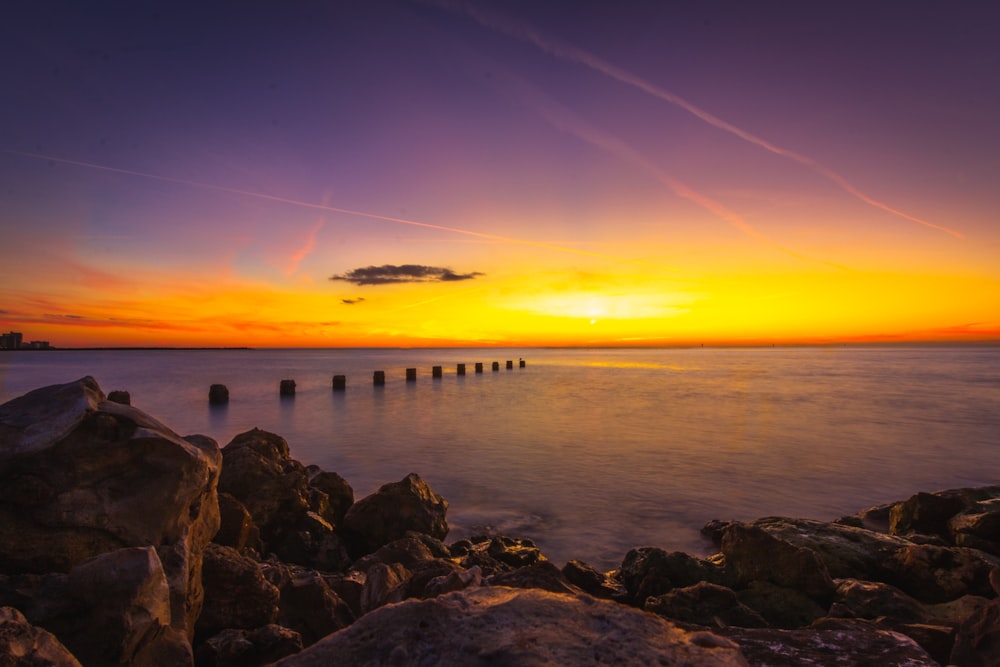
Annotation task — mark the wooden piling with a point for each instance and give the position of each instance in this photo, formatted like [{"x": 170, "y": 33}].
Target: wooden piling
[
  {"x": 379, "y": 378},
  {"x": 218, "y": 394},
  {"x": 411, "y": 374},
  {"x": 339, "y": 382},
  {"x": 496, "y": 365},
  {"x": 510, "y": 364},
  {"x": 479, "y": 367},
  {"x": 435, "y": 371},
  {"x": 520, "y": 363},
  {"x": 287, "y": 388},
  {"x": 460, "y": 369}
]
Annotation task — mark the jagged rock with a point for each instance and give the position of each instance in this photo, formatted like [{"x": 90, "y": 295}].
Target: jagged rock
[
  {"x": 384, "y": 584},
  {"x": 753, "y": 554},
  {"x": 236, "y": 593},
  {"x": 456, "y": 580},
  {"x": 495, "y": 554},
  {"x": 505, "y": 626},
  {"x": 81, "y": 476},
  {"x": 407, "y": 550},
  {"x": 844, "y": 643},
  {"x": 847, "y": 551},
  {"x": 649, "y": 571},
  {"x": 977, "y": 643},
  {"x": 120, "y": 396},
  {"x": 705, "y": 604},
  {"x": 349, "y": 587},
  {"x": 236, "y": 529},
  {"x": 978, "y": 527},
  {"x": 248, "y": 648},
  {"x": 22, "y": 644},
  {"x": 311, "y": 541},
  {"x": 937, "y": 640},
  {"x": 955, "y": 612},
  {"x": 392, "y": 511},
  {"x": 423, "y": 573},
  {"x": 310, "y": 606},
  {"x": 926, "y": 513},
  {"x": 780, "y": 606},
  {"x": 599, "y": 584},
  {"x": 340, "y": 495},
  {"x": 939, "y": 574},
  {"x": 543, "y": 575},
  {"x": 871, "y": 600}
]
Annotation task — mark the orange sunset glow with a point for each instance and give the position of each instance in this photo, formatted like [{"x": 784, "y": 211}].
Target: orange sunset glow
[{"x": 479, "y": 174}]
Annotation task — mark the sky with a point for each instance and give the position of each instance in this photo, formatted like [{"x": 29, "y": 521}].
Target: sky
[{"x": 450, "y": 173}]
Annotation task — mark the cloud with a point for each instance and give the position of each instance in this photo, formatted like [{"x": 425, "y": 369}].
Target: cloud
[
  {"x": 402, "y": 273},
  {"x": 351, "y": 302}
]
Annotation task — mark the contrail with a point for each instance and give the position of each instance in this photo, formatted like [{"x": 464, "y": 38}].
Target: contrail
[
  {"x": 570, "y": 53},
  {"x": 332, "y": 209}
]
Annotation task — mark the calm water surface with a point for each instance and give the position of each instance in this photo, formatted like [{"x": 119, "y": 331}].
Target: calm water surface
[{"x": 592, "y": 452}]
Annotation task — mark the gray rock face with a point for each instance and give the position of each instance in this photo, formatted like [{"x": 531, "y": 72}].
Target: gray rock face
[
  {"x": 81, "y": 476},
  {"x": 505, "y": 626}
]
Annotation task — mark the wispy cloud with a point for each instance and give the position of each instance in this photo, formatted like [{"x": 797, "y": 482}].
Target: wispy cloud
[
  {"x": 403, "y": 273},
  {"x": 570, "y": 53},
  {"x": 351, "y": 302}
]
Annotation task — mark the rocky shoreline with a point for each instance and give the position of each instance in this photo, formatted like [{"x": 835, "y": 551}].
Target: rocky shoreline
[{"x": 122, "y": 543}]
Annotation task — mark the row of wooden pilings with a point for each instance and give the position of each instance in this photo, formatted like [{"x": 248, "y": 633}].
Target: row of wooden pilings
[{"x": 219, "y": 393}]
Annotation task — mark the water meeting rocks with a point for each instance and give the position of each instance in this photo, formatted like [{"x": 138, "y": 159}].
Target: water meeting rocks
[{"x": 81, "y": 476}]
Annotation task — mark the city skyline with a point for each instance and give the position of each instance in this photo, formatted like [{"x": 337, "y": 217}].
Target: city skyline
[{"x": 449, "y": 173}]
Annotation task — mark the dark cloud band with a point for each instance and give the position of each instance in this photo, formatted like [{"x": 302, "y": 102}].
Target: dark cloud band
[{"x": 402, "y": 273}]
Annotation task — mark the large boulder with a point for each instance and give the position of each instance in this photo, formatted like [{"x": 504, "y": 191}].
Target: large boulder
[
  {"x": 649, "y": 571},
  {"x": 978, "y": 641},
  {"x": 939, "y": 574},
  {"x": 705, "y": 604},
  {"x": 81, "y": 476},
  {"x": 393, "y": 511},
  {"x": 505, "y": 626},
  {"x": 21, "y": 643},
  {"x": 237, "y": 596}
]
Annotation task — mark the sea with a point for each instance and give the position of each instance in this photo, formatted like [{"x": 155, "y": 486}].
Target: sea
[{"x": 590, "y": 452}]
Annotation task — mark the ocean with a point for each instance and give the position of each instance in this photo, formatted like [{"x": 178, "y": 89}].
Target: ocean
[{"x": 590, "y": 452}]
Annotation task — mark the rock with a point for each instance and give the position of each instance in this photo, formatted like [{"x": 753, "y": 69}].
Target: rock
[
  {"x": 309, "y": 606},
  {"x": 871, "y": 600},
  {"x": 505, "y": 626},
  {"x": 939, "y": 574},
  {"x": 649, "y": 571},
  {"x": 340, "y": 495},
  {"x": 844, "y": 643},
  {"x": 753, "y": 554},
  {"x": 22, "y": 644},
  {"x": 122, "y": 397},
  {"x": 937, "y": 640},
  {"x": 495, "y": 554},
  {"x": 236, "y": 593},
  {"x": 978, "y": 528},
  {"x": 543, "y": 575},
  {"x": 847, "y": 551},
  {"x": 456, "y": 580},
  {"x": 926, "y": 513},
  {"x": 599, "y": 584},
  {"x": 237, "y": 529},
  {"x": 705, "y": 604},
  {"x": 311, "y": 541},
  {"x": 977, "y": 643},
  {"x": 780, "y": 606},
  {"x": 81, "y": 476},
  {"x": 407, "y": 551},
  {"x": 392, "y": 511},
  {"x": 248, "y": 648},
  {"x": 384, "y": 584}
]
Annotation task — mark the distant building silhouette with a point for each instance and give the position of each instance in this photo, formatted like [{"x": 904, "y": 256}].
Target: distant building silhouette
[{"x": 14, "y": 340}]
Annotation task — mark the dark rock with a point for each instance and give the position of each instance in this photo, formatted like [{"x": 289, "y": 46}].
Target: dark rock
[
  {"x": 871, "y": 600},
  {"x": 456, "y": 580},
  {"x": 977, "y": 643},
  {"x": 648, "y": 571},
  {"x": 925, "y": 513},
  {"x": 714, "y": 530},
  {"x": 309, "y": 606},
  {"x": 937, "y": 640},
  {"x": 543, "y": 575},
  {"x": 844, "y": 643},
  {"x": 755, "y": 555},
  {"x": 505, "y": 626},
  {"x": 248, "y": 648},
  {"x": 23, "y": 645},
  {"x": 349, "y": 587},
  {"x": 705, "y": 604},
  {"x": 875, "y": 519},
  {"x": 340, "y": 495},
  {"x": 495, "y": 554},
  {"x": 392, "y": 511},
  {"x": 407, "y": 550},
  {"x": 384, "y": 584},
  {"x": 81, "y": 476},
  {"x": 422, "y": 573},
  {"x": 978, "y": 528},
  {"x": 781, "y": 607},
  {"x": 938, "y": 574},
  {"x": 599, "y": 584},
  {"x": 237, "y": 529},
  {"x": 311, "y": 541},
  {"x": 236, "y": 593},
  {"x": 122, "y": 397}
]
